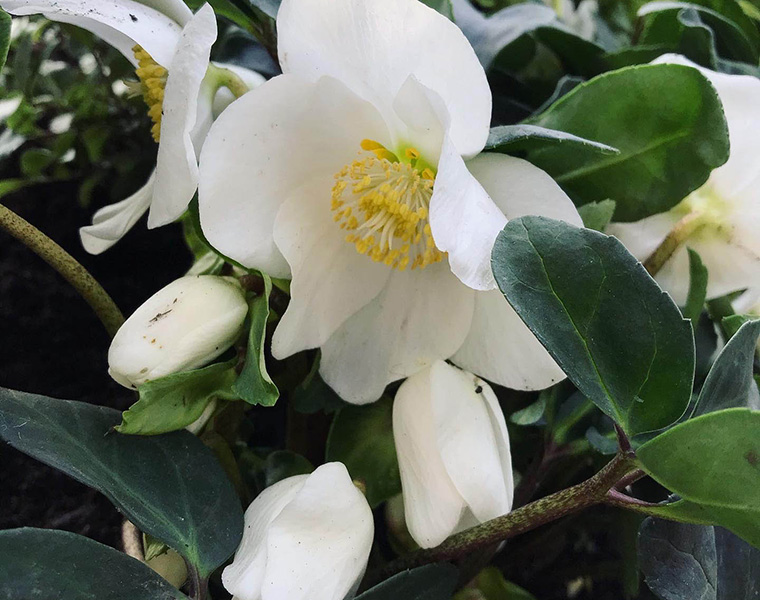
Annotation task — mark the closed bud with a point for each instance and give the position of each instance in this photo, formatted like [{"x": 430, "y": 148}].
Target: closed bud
[
  {"x": 306, "y": 537},
  {"x": 184, "y": 326},
  {"x": 453, "y": 453}
]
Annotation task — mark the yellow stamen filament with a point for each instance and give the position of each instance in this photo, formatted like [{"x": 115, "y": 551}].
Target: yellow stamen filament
[
  {"x": 153, "y": 82},
  {"x": 383, "y": 205}
]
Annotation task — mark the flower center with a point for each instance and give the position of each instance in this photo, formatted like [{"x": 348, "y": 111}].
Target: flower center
[
  {"x": 152, "y": 83},
  {"x": 383, "y": 203}
]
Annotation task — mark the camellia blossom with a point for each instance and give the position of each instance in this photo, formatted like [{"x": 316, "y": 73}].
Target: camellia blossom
[
  {"x": 170, "y": 48},
  {"x": 183, "y": 326},
  {"x": 721, "y": 219},
  {"x": 307, "y": 537},
  {"x": 453, "y": 453},
  {"x": 348, "y": 174}
]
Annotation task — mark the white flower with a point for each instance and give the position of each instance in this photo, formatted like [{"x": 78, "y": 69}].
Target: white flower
[
  {"x": 723, "y": 216},
  {"x": 170, "y": 46},
  {"x": 351, "y": 179},
  {"x": 579, "y": 19},
  {"x": 307, "y": 537},
  {"x": 181, "y": 327},
  {"x": 453, "y": 453}
]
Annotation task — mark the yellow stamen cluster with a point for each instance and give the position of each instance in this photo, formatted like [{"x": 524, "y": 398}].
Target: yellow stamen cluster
[
  {"x": 383, "y": 204},
  {"x": 153, "y": 81}
]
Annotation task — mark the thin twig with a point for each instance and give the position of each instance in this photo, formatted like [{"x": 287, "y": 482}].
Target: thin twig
[{"x": 73, "y": 272}]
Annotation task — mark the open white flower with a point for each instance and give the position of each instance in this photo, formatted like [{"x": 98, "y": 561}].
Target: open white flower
[
  {"x": 721, "y": 219},
  {"x": 306, "y": 537},
  {"x": 453, "y": 453},
  {"x": 183, "y": 326},
  {"x": 170, "y": 47},
  {"x": 352, "y": 180}
]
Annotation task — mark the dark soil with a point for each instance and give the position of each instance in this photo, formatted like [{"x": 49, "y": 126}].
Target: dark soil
[{"x": 52, "y": 344}]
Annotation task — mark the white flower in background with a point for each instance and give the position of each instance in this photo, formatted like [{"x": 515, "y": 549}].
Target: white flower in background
[
  {"x": 721, "y": 219},
  {"x": 453, "y": 453},
  {"x": 348, "y": 174},
  {"x": 170, "y": 47},
  {"x": 580, "y": 19},
  {"x": 183, "y": 326},
  {"x": 306, "y": 537}
]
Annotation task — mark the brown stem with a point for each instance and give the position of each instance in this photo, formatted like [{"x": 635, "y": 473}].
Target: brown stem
[
  {"x": 73, "y": 272},
  {"x": 677, "y": 236},
  {"x": 590, "y": 492}
]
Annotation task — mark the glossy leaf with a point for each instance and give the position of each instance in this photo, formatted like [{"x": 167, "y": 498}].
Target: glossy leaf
[
  {"x": 619, "y": 338},
  {"x": 730, "y": 383},
  {"x": 695, "y": 301},
  {"x": 713, "y": 461},
  {"x": 361, "y": 437},
  {"x": 659, "y": 127},
  {"x": 442, "y": 6},
  {"x": 597, "y": 215},
  {"x": 512, "y": 139},
  {"x": 44, "y": 563},
  {"x": 173, "y": 402},
  {"x": 254, "y": 385},
  {"x": 5, "y": 36},
  {"x": 431, "y": 582},
  {"x": 170, "y": 486}
]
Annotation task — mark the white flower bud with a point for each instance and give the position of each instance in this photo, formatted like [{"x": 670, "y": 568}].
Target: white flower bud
[
  {"x": 453, "y": 453},
  {"x": 306, "y": 537},
  {"x": 181, "y": 327}
]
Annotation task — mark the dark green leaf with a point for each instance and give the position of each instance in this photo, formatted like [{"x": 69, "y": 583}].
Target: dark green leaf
[
  {"x": 511, "y": 139},
  {"x": 604, "y": 444},
  {"x": 531, "y": 414},
  {"x": 597, "y": 215},
  {"x": 492, "y": 585},
  {"x": 620, "y": 339},
  {"x": 313, "y": 394},
  {"x": 5, "y": 36},
  {"x": 732, "y": 323},
  {"x": 695, "y": 301},
  {"x": 697, "y": 562},
  {"x": 47, "y": 564},
  {"x": 268, "y": 7},
  {"x": 283, "y": 464},
  {"x": 659, "y": 125},
  {"x": 713, "y": 461},
  {"x": 361, "y": 437},
  {"x": 431, "y": 582},
  {"x": 170, "y": 486},
  {"x": 254, "y": 385},
  {"x": 730, "y": 383},
  {"x": 442, "y": 6},
  {"x": 175, "y": 401}
]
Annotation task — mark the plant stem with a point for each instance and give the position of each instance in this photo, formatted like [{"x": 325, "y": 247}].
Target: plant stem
[
  {"x": 73, "y": 272},
  {"x": 590, "y": 492},
  {"x": 197, "y": 585},
  {"x": 681, "y": 231},
  {"x": 229, "y": 79}
]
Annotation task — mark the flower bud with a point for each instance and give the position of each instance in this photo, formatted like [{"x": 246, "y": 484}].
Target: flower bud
[
  {"x": 181, "y": 327},
  {"x": 306, "y": 537},
  {"x": 453, "y": 453}
]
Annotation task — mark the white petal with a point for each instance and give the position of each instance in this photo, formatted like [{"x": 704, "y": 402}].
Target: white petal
[
  {"x": 263, "y": 147},
  {"x": 740, "y": 96},
  {"x": 319, "y": 544},
  {"x": 121, "y": 23},
  {"x": 519, "y": 188},
  {"x": 418, "y": 318},
  {"x": 432, "y": 505},
  {"x": 501, "y": 348},
  {"x": 468, "y": 440},
  {"x": 331, "y": 280},
  {"x": 641, "y": 238},
  {"x": 373, "y": 47},
  {"x": 112, "y": 222},
  {"x": 424, "y": 117},
  {"x": 243, "y": 578},
  {"x": 177, "y": 165},
  {"x": 464, "y": 220}
]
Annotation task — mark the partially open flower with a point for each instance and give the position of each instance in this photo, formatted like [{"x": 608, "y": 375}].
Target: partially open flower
[
  {"x": 170, "y": 47},
  {"x": 721, "y": 219},
  {"x": 306, "y": 537},
  {"x": 183, "y": 326},
  {"x": 453, "y": 453}
]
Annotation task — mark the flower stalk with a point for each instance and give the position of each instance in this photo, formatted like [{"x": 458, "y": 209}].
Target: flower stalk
[
  {"x": 69, "y": 268},
  {"x": 573, "y": 499},
  {"x": 229, "y": 79},
  {"x": 681, "y": 232}
]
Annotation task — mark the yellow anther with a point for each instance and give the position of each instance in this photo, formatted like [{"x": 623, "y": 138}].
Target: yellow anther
[
  {"x": 384, "y": 203},
  {"x": 152, "y": 84}
]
